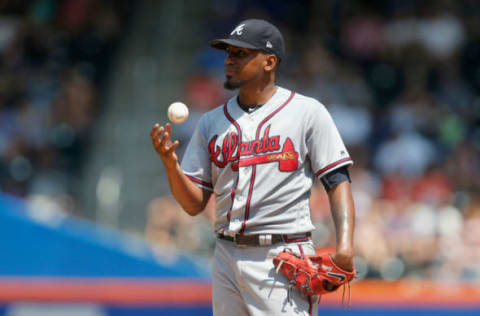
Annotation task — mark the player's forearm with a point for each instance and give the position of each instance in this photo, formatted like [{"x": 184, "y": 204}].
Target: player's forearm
[
  {"x": 343, "y": 213},
  {"x": 192, "y": 198}
]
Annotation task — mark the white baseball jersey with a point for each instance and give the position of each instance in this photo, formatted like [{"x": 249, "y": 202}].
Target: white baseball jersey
[{"x": 261, "y": 165}]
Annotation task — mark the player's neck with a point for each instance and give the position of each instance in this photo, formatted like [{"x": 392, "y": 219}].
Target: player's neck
[{"x": 256, "y": 94}]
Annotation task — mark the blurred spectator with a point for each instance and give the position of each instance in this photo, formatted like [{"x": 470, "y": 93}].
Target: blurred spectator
[
  {"x": 406, "y": 153},
  {"x": 53, "y": 60},
  {"x": 363, "y": 36},
  {"x": 170, "y": 229},
  {"x": 354, "y": 123},
  {"x": 434, "y": 188},
  {"x": 441, "y": 33},
  {"x": 437, "y": 30}
]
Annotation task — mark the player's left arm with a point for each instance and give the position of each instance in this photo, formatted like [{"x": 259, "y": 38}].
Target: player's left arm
[
  {"x": 330, "y": 161},
  {"x": 343, "y": 213}
]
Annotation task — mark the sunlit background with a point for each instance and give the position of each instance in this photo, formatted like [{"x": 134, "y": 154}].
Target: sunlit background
[{"x": 84, "y": 198}]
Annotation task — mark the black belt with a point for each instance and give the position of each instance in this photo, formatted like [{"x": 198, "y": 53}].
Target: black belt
[{"x": 264, "y": 239}]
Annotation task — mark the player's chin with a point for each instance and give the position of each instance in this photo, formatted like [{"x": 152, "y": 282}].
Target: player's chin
[{"x": 232, "y": 84}]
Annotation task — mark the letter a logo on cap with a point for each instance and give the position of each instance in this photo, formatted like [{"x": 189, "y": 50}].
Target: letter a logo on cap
[{"x": 238, "y": 30}]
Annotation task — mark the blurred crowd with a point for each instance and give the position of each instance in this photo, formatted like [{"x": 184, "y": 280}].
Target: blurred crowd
[
  {"x": 402, "y": 82},
  {"x": 401, "y": 79},
  {"x": 54, "y": 58}
]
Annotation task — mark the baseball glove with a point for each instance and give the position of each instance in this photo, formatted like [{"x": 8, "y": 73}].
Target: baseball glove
[{"x": 312, "y": 275}]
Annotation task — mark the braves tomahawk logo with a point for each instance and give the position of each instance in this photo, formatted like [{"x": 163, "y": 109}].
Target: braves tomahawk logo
[
  {"x": 238, "y": 30},
  {"x": 260, "y": 151}
]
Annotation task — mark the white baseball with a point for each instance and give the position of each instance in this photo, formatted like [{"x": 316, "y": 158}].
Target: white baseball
[{"x": 177, "y": 112}]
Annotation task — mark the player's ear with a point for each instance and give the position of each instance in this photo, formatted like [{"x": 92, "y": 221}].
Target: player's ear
[{"x": 270, "y": 62}]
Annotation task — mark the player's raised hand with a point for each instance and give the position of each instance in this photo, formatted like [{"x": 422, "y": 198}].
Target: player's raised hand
[{"x": 160, "y": 136}]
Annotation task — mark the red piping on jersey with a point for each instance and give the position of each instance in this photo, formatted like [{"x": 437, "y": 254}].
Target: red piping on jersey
[
  {"x": 330, "y": 166},
  {"x": 250, "y": 191},
  {"x": 301, "y": 249},
  {"x": 209, "y": 185},
  {"x": 232, "y": 196},
  {"x": 310, "y": 304},
  {"x": 295, "y": 239},
  {"x": 254, "y": 168},
  {"x": 239, "y": 142}
]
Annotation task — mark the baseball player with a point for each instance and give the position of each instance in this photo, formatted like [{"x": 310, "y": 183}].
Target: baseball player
[{"x": 259, "y": 154}]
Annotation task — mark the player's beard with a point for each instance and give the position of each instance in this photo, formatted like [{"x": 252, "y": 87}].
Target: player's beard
[{"x": 232, "y": 84}]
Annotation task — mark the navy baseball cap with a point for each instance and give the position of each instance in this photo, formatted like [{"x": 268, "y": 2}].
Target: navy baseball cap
[{"x": 254, "y": 34}]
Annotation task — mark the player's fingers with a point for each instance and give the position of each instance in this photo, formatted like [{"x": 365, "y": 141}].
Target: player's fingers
[
  {"x": 160, "y": 148},
  {"x": 157, "y": 140},
  {"x": 154, "y": 129},
  {"x": 157, "y": 131},
  {"x": 173, "y": 147},
  {"x": 165, "y": 141},
  {"x": 168, "y": 128},
  {"x": 159, "y": 134}
]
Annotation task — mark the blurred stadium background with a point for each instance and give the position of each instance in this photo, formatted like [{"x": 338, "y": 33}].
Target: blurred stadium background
[{"x": 87, "y": 224}]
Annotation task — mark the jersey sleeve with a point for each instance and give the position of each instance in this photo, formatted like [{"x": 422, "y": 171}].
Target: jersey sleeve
[
  {"x": 325, "y": 146},
  {"x": 196, "y": 162}
]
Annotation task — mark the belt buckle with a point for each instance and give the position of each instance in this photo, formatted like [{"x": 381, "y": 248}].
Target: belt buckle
[
  {"x": 237, "y": 242},
  {"x": 265, "y": 240}
]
